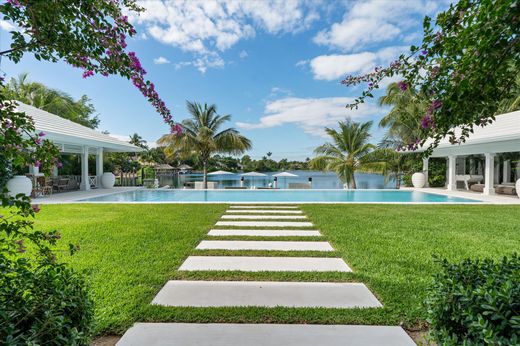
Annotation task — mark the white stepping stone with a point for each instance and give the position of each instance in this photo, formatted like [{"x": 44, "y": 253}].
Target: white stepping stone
[
  {"x": 264, "y": 245},
  {"x": 264, "y": 233},
  {"x": 264, "y": 223},
  {"x": 228, "y": 334},
  {"x": 264, "y": 217},
  {"x": 259, "y": 211},
  {"x": 268, "y": 294},
  {"x": 258, "y": 264},
  {"x": 263, "y": 207}
]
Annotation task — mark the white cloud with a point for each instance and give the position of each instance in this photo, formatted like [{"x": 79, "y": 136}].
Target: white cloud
[
  {"x": 206, "y": 27},
  {"x": 374, "y": 21},
  {"x": 243, "y": 54},
  {"x": 302, "y": 63},
  {"x": 161, "y": 61},
  {"x": 310, "y": 114},
  {"x": 335, "y": 66},
  {"x": 275, "y": 91}
]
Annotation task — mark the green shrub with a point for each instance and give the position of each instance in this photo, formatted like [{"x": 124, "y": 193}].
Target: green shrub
[
  {"x": 47, "y": 304},
  {"x": 476, "y": 302}
]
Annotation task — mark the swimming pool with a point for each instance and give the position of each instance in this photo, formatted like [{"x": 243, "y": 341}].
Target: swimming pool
[{"x": 277, "y": 196}]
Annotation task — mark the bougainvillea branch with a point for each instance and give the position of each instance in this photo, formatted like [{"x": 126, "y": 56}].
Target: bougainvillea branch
[
  {"x": 89, "y": 35},
  {"x": 466, "y": 66}
]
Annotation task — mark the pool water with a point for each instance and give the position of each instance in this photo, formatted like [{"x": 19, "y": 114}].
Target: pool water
[{"x": 292, "y": 196}]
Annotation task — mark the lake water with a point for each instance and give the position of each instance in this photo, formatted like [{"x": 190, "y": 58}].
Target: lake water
[{"x": 320, "y": 180}]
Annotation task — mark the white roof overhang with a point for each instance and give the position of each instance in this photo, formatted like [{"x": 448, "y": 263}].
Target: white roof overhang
[
  {"x": 503, "y": 135},
  {"x": 71, "y": 136}
]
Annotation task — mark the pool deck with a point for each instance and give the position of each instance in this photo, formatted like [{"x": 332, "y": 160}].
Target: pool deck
[
  {"x": 492, "y": 199},
  {"x": 75, "y": 196}
]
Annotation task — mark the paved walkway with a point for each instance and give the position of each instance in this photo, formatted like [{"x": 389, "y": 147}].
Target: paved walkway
[{"x": 257, "y": 221}]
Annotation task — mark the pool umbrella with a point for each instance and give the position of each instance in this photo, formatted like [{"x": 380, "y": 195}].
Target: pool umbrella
[
  {"x": 253, "y": 175},
  {"x": 221, "y": 173},
  {"x": 285, "y": 175}
]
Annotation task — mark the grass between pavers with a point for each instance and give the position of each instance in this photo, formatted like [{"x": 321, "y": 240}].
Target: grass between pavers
[
  {"x": 128, "y": 251},
  {"x": 390, "y": 247},
  {"x": 132, "y": 250}
]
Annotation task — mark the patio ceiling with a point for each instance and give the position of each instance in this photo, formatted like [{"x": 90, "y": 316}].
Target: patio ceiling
[
  {"x": 72, "y": 137},
  {"x": 503, "y": 135}
]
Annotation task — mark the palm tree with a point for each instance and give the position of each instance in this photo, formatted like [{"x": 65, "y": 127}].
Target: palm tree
[
  {"x": 138, "y": 141},
  {"x": 403, "y": 121},
  {"x": 392, "y": 164},
  {"x": 203, "y": 137},
  {"x": 51, "y": 100},
  {"x": 348, "y": 152}
]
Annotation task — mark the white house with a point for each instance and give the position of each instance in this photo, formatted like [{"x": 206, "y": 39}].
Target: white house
[
  {"x": 74, "y": 138},
  {"x": 501, "y": 136}
]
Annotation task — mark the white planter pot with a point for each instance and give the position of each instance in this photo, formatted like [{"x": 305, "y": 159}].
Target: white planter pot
[
  {"x": 108, "y": 180},
  {"x": 19, "y": 184},
  {"x": 418, "y": 180},
  {"x": 518, "y": 188}
]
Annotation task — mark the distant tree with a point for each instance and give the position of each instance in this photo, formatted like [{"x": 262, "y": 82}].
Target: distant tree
[
  {"x": 202, "y": 136},
  {"x": 53, "y": 101},
  {"x": 138, "y": 141},
  {"x": 348, "y": 152}
]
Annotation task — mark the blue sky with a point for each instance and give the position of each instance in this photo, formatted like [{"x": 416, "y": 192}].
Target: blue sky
[{"x": 275, "y": 66}]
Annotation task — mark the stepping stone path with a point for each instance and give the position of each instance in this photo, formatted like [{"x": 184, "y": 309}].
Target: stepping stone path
[{"x": 262, "y": 221}]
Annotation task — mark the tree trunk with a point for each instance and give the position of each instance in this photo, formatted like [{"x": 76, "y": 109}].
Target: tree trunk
[
  {"x": 398, "y": 181},
  {"x": 353, "y": 182},
  {"x": 205, "y": 179}
]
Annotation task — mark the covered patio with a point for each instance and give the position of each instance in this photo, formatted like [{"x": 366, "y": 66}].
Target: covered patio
[
  {"x": 73, "y": 138},
  {"x": 488, "y": 162}
]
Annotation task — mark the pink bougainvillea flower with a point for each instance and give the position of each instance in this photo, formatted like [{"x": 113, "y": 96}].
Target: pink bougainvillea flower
[
  {"x": 88, "y": 73},
  {"x": 36, "y": 208},
  {"x": 402, "y": 85},
  {"x": 37, "y": 163},
  {"x": 41, "y": 134}
]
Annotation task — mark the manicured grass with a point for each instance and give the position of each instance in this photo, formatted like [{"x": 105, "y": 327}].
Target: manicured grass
[
  {"x": 130, "y": 251},
  {"x": 390, "y": 247}
]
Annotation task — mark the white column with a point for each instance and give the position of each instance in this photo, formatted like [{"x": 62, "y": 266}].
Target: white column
[
  {"x": 452, "y": 163},
  {"x": 55, "y": 171},
  {"x": 507, "y": 171},
  {"x": 99, "y": 166},
  {"x": 489, "y": 175},
  {"x": 425, "y": 170},
  {"x": 84, "y": 170}
]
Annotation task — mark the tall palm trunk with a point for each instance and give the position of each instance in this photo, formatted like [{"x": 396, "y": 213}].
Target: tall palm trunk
[
  {"x": 353, "y": 181},
  {"x": 205, "y": 179}
]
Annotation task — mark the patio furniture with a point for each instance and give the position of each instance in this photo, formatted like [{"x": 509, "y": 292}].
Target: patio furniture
[
  {"x": 499, "y": 189},
  {"x": 61, "y": 184},
  {"x": 505, "y": 189},
  {"x": 469, "y": 179}
]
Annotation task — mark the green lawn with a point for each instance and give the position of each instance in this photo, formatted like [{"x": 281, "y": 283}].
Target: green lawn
[{"x": 130, "y": 251}]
